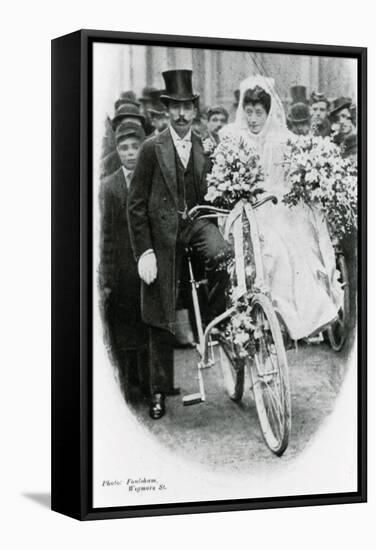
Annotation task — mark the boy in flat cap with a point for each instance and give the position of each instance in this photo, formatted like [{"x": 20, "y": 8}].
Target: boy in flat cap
[
  {"x": 169, "y": 179},
  {"x": 120, "y": 282}
]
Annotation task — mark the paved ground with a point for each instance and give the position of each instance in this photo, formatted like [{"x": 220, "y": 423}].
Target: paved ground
[{"x": 226, "y": 435}]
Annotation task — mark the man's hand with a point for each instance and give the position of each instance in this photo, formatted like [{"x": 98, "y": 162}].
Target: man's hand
[{"x": 147, "y": 267}]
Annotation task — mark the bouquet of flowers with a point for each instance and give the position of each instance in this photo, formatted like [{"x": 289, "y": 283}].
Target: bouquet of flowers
[
  {"x": 321, "y": 177},
  {"x": 236, "y": 174}
]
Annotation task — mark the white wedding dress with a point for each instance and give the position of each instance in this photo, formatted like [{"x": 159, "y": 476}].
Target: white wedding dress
[{"x": 297, "y": 253}]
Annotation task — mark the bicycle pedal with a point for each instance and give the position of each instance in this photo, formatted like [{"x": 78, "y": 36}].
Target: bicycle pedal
[{"x": 192, "y": 399}]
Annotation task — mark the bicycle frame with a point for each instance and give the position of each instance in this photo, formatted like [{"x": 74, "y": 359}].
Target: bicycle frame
[{"x": 204, "y": 337}]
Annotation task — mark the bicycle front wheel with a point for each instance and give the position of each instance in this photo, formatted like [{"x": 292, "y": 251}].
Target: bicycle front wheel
[{"x": 269, "y": 375}]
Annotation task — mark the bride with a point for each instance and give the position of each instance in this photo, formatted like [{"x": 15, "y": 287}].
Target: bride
[{"x": 298, "y": 256}]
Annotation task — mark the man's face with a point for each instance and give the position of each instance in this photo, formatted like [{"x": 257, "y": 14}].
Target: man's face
[
  {"x": 301, "y": 128},
  {"x": 216, "y": 122},
  {"x": 128, "y": 151},
  {"x": 343, "y": 119},
  {"x": 159, "y": 121},
  {"x": 181, "y": 115},
  {"x": 319, "y": 112}
]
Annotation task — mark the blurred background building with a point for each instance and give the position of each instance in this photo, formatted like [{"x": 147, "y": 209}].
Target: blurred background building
[{"x": 216, "y": 74}]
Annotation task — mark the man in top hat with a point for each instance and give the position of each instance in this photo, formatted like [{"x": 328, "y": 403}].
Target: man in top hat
[
  {"x": 320, "y": 124},
  {"x": 298, "y": 119},
  {"x": 217, "y": 117},
  {"x": 342, "y": 116},
  {"x": 157, "y": 112},
  {"x": 169, "y": 179},
  {"x": 298, "y": 94},
  {"x": 120, "y": 283}
]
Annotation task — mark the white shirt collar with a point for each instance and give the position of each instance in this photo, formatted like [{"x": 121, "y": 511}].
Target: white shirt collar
[
  {"x": 177, "y": 138},
  {"x": 127, "y": 173}
]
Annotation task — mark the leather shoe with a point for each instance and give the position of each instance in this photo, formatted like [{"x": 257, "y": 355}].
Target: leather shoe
[{"x": 157, "y": 406}]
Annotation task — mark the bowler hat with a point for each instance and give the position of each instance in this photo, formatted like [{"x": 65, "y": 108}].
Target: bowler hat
[
  {"x": 217, "y": 109},
  {"x": 126, "y": 97},
  {"x": 147, "y": 92},
  {"x": 156, "y": 107},
  {"x": 299, "y": 113},
  {"x": 318, "y": 96},
  {"x": 178, "y": 86},
  {"x": 339, "y": 104},
  {"x": 298, "y": 94},
  {"x": 126, "y": 129},
  {"x": 127, "y": 110}
]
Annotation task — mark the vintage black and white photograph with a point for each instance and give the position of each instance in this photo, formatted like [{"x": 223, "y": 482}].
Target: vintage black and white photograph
[{"x": 225, "y": 262}]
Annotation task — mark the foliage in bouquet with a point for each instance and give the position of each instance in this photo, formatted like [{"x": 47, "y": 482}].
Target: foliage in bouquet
[
  {"x": 240, "y": 329},
  {"x": 236, "y": 174},
  {"x": 321, "y": 177}
]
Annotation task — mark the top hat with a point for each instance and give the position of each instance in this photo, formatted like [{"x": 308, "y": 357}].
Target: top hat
[
  {"x": 127, "y": 129},
  {"x": 147, "y": 93},
  {"x": 126, "y": 97},
  {"x": 178, "y": 86},
  {"x": 299, "y": 112},
  {"x": 339, "y": 104},
  {"x": 298, "y": 94},
  {"x": 156, "y": 107},
  {"x": 217, "y": 109},
  {"x": 127, "y": 110}
]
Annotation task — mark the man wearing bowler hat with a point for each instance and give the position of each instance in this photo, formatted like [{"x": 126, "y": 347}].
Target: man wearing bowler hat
[{"x": 169, "y": 179}]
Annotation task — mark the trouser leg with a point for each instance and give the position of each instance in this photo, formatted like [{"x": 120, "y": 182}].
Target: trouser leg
[
  {"x": 213, "y": 251},
  {"x": 161, "y": 360}
]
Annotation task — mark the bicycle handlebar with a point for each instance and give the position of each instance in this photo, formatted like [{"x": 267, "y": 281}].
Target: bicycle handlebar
[{"x": 213, "y": 211}]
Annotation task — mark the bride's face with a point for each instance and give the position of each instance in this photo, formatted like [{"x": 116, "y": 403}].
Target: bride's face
[{"x": 256, "y": 116}]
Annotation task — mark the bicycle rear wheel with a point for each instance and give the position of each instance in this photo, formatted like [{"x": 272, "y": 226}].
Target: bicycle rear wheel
[{"x": 269, "y": 374}]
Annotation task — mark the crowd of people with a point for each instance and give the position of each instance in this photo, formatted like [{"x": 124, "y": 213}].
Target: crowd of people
[{"x": 153, "y": 170}]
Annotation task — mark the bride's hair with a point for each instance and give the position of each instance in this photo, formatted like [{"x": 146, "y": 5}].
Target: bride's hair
[{"x": 257, "y": 95}]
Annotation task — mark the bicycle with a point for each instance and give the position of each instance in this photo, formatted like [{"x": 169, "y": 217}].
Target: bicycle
[{"x": 263, "y": 360}]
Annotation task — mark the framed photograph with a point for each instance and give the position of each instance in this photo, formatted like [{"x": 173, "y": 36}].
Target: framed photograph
[{"x": 208, "y": 274}]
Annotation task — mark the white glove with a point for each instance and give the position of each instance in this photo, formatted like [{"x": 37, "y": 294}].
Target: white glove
[{"x": 147, "y": 267}]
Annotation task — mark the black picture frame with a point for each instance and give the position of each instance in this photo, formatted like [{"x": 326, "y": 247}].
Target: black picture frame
[{"x": 72, "y": 306}]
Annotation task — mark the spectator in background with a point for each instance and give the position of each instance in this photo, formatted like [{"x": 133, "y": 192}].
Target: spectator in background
[
  {"x": 120, "y": 283},
  {"x": 299, "y": 120},
  {"x": 158, "y": 113},
  {"x": 298, "y": 94},
  {"x": 126, "y": 97},
  {"x": 217, "y": 117},
  {"x": 146, "y": 101},
  {"x": 343, "y": 117},
  {"x": 126, "y": 111},
  {"x": 320, "y": 123}
]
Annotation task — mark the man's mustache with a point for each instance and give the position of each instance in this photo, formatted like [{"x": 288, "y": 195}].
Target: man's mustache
[{"x": 182, "y": 119}]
